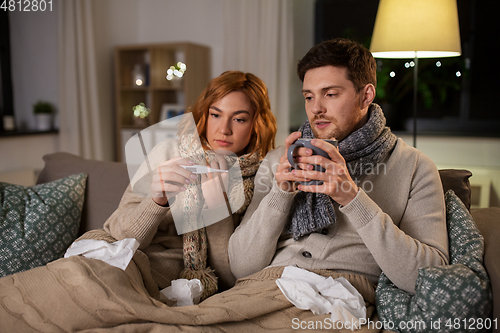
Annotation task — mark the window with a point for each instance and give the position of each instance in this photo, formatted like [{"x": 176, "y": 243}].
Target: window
[{"x": 455, "y": 95}]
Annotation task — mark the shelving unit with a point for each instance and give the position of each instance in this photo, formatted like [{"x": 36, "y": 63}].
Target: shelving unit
[{"x": 156, "y": 90}]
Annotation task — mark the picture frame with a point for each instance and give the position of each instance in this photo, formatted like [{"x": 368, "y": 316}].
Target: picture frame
[{"x": 168, "y": 111}]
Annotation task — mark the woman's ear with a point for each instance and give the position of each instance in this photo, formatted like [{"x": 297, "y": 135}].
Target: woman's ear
[{"x": 368, "y": 95}]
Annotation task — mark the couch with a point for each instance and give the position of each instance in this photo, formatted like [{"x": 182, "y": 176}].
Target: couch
[{"x": 108, "y": 180}]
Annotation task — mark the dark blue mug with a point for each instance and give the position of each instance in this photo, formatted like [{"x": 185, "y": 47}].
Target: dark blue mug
[{"x": 306, "y": 143}]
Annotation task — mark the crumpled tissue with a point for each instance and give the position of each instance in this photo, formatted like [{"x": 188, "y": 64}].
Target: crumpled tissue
[
  {"x": 310, "y": 291},
  {"x": 184, "y": 292},
  {"x": 117, "y": 254}
]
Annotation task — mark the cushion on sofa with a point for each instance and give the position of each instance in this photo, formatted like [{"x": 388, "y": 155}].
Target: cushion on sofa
[
  {"x": 37, "y": 224},
  {"x": 106, "y": 184},
  {"x": 455, "y": 294},
  {"x": 488, "y": 221}
]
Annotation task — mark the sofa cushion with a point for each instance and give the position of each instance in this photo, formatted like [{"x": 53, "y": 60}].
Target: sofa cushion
[
  {"x": 456, "y": 295},
  {"x": 38, "y": 224},
  {"x": 106, "y": 184},
  {"x": 488, "y": 221}
]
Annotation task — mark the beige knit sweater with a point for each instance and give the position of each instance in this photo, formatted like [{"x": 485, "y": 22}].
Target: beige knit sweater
[
  {"x": 396, "y": 223},
  {"x": 153, "y": 227}
]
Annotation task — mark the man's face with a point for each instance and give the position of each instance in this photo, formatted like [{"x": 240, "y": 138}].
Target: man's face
[{"x": 333, "y": 106}]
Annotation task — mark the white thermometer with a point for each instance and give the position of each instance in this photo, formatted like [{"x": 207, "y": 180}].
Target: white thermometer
[{"x": 201, "y": 169}]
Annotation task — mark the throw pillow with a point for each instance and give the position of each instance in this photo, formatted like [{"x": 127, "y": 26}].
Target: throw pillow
[
  {"x": 38, "y": 224},
  {"x": 451, "y": 298}
]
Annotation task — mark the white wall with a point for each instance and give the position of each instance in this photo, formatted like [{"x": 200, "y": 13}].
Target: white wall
[
  {"x": 34, "y": 53},
  {"x": 123, "y": 22},
  {"x": 196, "y": 21},
  {"x": 481, "y": 156}
]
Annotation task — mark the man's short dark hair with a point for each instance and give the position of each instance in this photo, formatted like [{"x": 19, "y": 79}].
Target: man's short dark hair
[{"x": 341, "y": 52}]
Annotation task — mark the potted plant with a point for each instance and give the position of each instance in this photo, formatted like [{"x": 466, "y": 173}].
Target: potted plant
[
  {"x": 44, "y": 112},
  {"x": 175, "y": 73},
  {"x": 140, "y": 115}
]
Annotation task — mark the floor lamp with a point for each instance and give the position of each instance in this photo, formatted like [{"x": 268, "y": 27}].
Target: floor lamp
[{"x": 415, "y": 29}]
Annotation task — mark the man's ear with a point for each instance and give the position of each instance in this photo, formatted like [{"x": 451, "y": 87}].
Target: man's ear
[{"x": 368, "y": 95}]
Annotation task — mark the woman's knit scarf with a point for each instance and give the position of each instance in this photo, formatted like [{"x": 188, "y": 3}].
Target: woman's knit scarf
[
  {"x": 362, "y": 150},
  {"x": 195, "y": 245}
]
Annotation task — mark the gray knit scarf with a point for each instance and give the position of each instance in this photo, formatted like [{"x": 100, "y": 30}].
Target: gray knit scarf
[{"x": 362, "y": 150}]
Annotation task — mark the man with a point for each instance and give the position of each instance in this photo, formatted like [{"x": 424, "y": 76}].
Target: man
[{"x": 381, "y": 206}]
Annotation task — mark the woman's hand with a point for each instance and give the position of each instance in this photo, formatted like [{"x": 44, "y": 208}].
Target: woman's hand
[{"x": 170, "y": 178}]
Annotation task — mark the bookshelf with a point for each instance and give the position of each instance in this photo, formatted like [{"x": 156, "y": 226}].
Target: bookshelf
[{"x": 148, "y": 63}]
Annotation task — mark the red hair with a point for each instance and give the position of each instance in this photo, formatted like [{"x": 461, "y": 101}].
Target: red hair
[{"x": 264, "y": 123}]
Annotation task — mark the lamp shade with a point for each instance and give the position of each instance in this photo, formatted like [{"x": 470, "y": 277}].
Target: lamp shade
[{"x": 416, "y": 28}]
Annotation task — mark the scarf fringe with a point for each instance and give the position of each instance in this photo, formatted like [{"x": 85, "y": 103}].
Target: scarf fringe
[
  {"x": 195, "y": 243},
  {"x": 206, "y": 276}
]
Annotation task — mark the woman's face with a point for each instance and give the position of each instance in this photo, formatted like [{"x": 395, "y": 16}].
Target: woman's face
[{"x": 230, "y": 122}]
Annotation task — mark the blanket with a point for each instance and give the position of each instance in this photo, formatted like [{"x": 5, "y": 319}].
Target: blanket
[{"x": 78, "y": 294}]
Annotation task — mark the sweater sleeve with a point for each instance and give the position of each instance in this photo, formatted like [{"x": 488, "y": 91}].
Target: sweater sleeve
[
  {"x": 421, "y": 240},
  {"x": 136, "y": 217},
  {"x": 253, "y": 244}
]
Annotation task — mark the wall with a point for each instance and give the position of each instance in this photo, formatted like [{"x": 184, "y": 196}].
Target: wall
[
  {"x": 481, "y": 156},
  {"x": 303, "y": 40},
  {"x": 34, "y": 53},
  {"x": 123, "y": 22},
  {"x": 34, "y": 38},
  {"x": 22, "y": 157}
]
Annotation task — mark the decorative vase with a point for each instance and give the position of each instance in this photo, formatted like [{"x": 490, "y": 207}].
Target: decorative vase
[
  {"x": 176, "y": 82},
  {"x": 43, "y": 121},
  {"x": 140, "y": 122}
]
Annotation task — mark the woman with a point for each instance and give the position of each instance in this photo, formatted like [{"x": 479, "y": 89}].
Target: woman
[{"x": 232, "y": 114}]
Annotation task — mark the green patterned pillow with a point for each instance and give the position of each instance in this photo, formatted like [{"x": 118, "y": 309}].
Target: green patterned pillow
[
  {"x": 38, "y": 224},
  {"x": 451, "y": 298}
]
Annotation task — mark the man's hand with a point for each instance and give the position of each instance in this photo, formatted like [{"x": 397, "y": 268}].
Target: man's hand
[
  {"x": 284, "y": 178},
  {"x": 337, "y": 182}
]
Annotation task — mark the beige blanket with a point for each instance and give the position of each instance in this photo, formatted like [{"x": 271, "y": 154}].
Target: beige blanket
[{"x": 80, "y": 294}]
